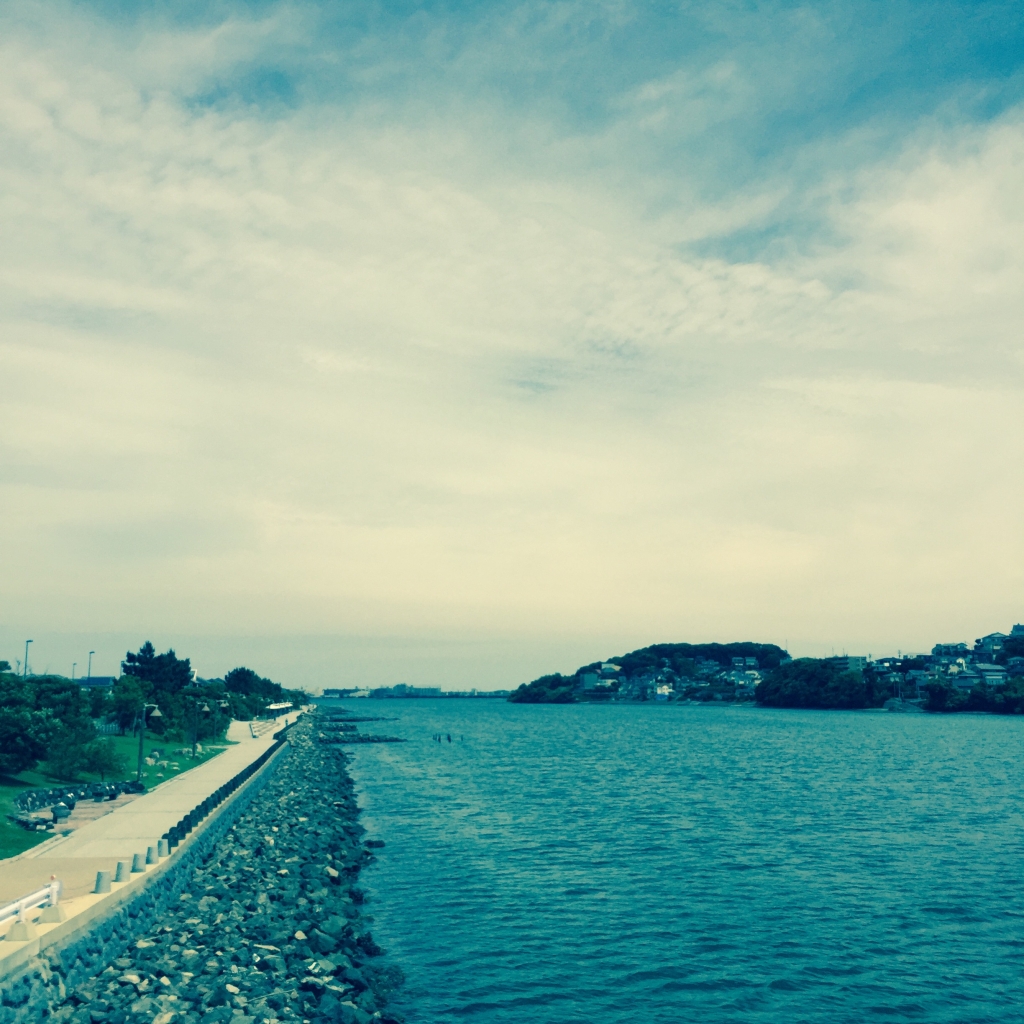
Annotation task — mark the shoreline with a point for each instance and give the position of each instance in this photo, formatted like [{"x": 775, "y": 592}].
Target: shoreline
[{"x": 271, "y": 925}]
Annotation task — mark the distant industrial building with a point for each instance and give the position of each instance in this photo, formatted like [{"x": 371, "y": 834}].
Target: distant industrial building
[
  {"x": 105, "y": 681},
  {"x": 404, "y": 690},
  {"x": 849, "y": 663}
]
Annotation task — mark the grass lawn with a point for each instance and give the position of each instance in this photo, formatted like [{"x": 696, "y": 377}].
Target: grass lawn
[{"x": 15, "y": 840}]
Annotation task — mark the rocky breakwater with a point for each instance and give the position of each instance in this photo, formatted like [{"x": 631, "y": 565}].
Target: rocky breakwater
[
  {"x": 338, "y": 727},
  {"x": 272, "y": 927}
]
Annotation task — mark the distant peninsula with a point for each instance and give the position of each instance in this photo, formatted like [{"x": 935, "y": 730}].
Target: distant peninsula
[
  {"x": 661, "y": 671},
  {"x": 953, "y": 677}
]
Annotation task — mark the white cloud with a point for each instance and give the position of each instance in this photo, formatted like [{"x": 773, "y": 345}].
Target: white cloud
[{"x": 339, "y": 373}]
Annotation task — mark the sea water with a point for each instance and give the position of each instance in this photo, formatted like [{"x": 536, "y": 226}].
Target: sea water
[{"x": 614, "y": 863}]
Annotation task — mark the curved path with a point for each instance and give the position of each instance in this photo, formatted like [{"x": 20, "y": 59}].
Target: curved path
[{"x": 131, "y": 828}]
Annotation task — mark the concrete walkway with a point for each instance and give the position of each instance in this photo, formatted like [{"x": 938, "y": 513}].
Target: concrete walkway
[{"x": 100, "y": 844}]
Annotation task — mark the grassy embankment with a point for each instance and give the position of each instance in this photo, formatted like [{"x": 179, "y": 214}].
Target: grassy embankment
[{"x": 15, "y": 840}]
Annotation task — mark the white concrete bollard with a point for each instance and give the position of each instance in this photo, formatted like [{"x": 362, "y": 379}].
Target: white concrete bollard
[
  {"x": 22, "y": 930},
  {"x": 53, "y": 912}
]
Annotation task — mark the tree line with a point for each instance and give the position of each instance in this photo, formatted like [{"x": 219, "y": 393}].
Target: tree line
[
  {"x": 798, "y": 683},
  {"x": 50, "y": 720},
  {"x": 818, "y": 683}
]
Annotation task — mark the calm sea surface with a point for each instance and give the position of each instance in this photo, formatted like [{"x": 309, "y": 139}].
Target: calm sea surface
[{"x": 652, "y": 863}]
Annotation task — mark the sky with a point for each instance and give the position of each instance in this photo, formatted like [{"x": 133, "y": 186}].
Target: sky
[{"x": 454, "y": 344}]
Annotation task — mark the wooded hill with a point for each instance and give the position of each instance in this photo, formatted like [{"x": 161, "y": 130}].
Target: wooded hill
[{"x": 679, "y": 661}]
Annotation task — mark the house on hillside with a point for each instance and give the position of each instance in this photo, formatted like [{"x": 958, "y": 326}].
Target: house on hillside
[
  {"x": 747, "y": 682},
  {"x": 593, "y": 681},
  {"x": 946, "y": 653},
  {"x": 991, "y": 675},
  {"x": 965, "y": 679},
  {"x": 989, "y": 645},
  {"x": 706, "y": 668},
  {"x": 913, "y": 682}
]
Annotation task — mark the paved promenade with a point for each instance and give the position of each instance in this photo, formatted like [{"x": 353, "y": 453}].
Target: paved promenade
[{"x": 130, "y": 829}]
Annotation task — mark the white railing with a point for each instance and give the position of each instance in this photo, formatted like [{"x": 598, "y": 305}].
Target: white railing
[{"x": 47, "y": 896}]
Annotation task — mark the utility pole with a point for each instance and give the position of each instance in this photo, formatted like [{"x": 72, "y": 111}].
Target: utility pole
[
  {"x": 25, "y": 672},
  {"x": 74, "y": 665},
  {"x": 89, "y": 676}
]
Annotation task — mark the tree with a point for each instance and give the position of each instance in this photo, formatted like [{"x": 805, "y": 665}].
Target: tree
[
  {"x": 101, "y": 758},
  {"x": 64, "y": 761},
  {"x": 164, "y": 678},
  {"x": 1010, "y": 699},
  {"x": 99, "y": 702},
  {"x": 201, "y": 713},
  {"x": 5, "y": 666},
  {"x": 249, "y": 693},
  {"x": 127, "y": 696},
  {"x": 66, "y": 704},
  {"x": 980, "y": 698},
  {"x": 552, "y": 689},
  {"x": 877, "y": 687},
  {"x": 1013, "y": 647},
  {"x": 25, "y": 738},
  {"x": 811, "y": 683},
  {"x": 26, "y": 731},
  {"x": 248, "y": 683},
  {"x": 15, "y": 693},
  {"x": 944, "y": 696},
  {"x": 166, "y": 674},
  {"x": 681, "y": 657}
]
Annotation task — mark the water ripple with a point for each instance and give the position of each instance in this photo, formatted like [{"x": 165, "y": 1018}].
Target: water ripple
[{"x": 637, "y": 863}]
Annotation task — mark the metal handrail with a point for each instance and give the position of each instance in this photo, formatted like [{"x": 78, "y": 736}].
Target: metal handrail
[{"x": 49, "y": 896}]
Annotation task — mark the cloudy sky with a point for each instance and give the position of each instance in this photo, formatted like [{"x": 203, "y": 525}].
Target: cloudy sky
[{"x": 453, "y": 344}]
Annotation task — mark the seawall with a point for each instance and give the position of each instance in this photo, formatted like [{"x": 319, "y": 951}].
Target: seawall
[{"x": 257, "y": 918}]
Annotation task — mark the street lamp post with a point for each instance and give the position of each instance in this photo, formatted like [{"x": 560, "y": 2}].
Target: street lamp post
[
  {"x": 142, "y": 731},
  {"x": 196, "y": 709},
  {"x": 74, "y": 665},
  {"x": 25, "y": 667},
  {"x": 89, "y": 676}
]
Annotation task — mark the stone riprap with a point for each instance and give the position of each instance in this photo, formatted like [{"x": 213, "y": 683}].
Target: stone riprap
[
  {"x": 268, "y": 925},
  {"x": 335, "y": 726},
  {"x": 363, "y": 738}
]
